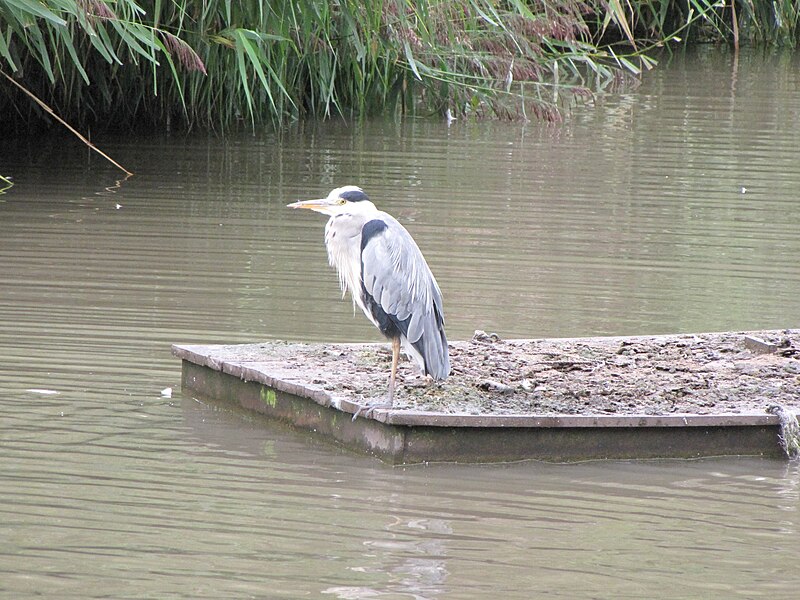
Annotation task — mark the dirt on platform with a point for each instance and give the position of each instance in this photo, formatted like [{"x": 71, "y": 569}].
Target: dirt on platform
[{"x": 652, "y": 375}]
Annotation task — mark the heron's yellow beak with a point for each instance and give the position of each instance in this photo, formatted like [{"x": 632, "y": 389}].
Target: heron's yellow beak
[{"x": 321, "y": 205}]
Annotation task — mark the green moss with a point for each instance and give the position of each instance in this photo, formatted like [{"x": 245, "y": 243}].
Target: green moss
[{"x": 268, "y": 396}]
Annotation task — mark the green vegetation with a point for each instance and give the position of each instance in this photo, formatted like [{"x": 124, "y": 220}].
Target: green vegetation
[
  {"x": 764, "y": 22},
  {"x": 5, "y": 183},
  {"x": 268, "y": 396},
  {"x": 217, "y": 63}
]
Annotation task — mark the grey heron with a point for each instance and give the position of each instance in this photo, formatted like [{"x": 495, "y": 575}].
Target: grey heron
[{"x": 382, "y": 267}]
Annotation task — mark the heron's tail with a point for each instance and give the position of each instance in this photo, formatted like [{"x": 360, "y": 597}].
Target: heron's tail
[{"x": 432, "y": 346}]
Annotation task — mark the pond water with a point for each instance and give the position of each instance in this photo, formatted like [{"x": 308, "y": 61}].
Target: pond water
[{"x": 672, "y": 207}]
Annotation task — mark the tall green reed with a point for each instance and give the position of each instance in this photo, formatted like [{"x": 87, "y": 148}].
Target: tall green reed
[{"x": 219, "y": 63}]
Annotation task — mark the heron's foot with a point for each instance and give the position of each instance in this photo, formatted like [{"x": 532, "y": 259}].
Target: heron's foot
[{"x": 366, "y": 410}]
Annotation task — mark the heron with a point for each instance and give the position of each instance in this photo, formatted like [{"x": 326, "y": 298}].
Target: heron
[{"x": 387, "y": 276}]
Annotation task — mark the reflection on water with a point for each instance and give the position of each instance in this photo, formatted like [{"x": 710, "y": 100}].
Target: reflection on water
[{"x": 670, "y": 208}]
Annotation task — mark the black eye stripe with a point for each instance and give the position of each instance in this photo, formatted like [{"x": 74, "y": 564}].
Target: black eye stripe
[{"x": 354, "y": 196}]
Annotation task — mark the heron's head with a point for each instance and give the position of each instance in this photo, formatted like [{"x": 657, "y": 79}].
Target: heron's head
[{"x": 349, "y": 198}]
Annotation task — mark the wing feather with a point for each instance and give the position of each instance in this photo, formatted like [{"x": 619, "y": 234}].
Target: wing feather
[{"x": 397, "y": 280}]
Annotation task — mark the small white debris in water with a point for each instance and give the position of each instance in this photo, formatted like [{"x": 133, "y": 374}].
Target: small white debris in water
[
  {"x": 42, "y": 391},
  {"x": 167, "y": 392}
]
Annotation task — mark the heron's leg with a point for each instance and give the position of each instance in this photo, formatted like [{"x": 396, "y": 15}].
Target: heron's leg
[
  {"x": 366, "y": 411},
  {"x": 393, "y": 376}
]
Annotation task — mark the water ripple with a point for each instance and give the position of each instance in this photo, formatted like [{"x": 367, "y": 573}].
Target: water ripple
[{"x": 670, "y": 208}]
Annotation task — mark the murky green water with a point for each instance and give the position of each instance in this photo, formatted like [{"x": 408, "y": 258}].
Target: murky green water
[{"x": 669, "y": 208}]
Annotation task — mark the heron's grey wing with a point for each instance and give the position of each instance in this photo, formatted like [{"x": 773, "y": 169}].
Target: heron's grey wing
[{"x": 401, "y": 291}]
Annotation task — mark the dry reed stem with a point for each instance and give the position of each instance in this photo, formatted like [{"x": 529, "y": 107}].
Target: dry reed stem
[{"x": 51, "y": 112}]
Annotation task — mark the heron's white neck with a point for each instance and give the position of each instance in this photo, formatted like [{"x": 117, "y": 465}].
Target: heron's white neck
[{"x": 343, "y": 241}]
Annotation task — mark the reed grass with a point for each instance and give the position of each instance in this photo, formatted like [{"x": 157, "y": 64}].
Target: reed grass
[
  {"x": 219, "y": 64},
  {"x": 5, "y": 184}
]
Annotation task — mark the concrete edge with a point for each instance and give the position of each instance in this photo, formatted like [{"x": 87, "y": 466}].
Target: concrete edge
[{"x": 413, "y": 444}]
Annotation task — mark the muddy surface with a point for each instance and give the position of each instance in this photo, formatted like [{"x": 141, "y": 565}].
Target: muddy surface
[{"x": 651, "y": 375}]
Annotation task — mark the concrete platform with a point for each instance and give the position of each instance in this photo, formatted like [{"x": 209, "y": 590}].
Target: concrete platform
[{"x": 283, "y": 382}]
